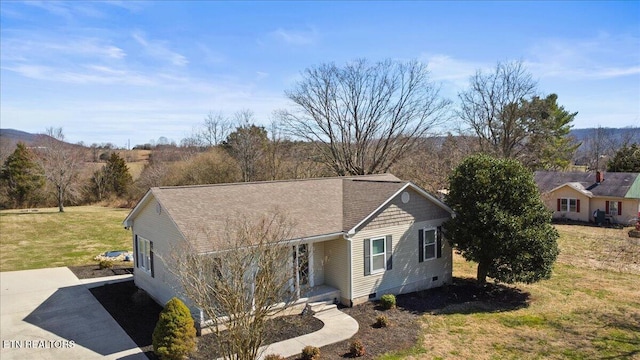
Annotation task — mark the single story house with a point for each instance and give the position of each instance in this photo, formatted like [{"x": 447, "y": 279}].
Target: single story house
[
  {"x": 578, "y": 195},
  {"x": 361, "y": 236}
]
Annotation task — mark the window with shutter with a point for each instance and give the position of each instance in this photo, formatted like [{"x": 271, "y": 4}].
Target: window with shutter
[
  {"x": 428, "y": 244},
  {"x": 569, "y": 205}
]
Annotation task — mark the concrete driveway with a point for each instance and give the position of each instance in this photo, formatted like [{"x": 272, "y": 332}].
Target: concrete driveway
[{"x": 50, "y": 314}]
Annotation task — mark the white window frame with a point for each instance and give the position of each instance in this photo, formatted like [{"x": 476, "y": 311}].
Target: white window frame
[
  {"x": 372, "y": 255},
  {"x": 566, "y": 206},
  {"x": 144, "y": 254},
  {"x": 613, "y": 208},
  {"x": 426, "y": 244}
]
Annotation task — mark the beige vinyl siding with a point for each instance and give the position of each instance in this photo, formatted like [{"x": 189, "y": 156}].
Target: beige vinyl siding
[
  {"x": 336, "y": 266},
  {"x": 318, "y": 263},
  {"x": 157, "y": 228},
  {"x": 630, "y": 208},
  {"x": 566, "y": 192},
  {"x": 401, "y": 221},
  {"x": 396, "y": 212},
  {"x": 407, "y": 273}
]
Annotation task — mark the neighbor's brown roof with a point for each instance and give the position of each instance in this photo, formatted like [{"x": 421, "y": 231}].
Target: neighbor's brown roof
[{"x": 315, "y": 206}]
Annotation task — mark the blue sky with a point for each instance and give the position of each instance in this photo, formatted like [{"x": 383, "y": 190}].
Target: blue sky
[{"x": 122, "y": 71}]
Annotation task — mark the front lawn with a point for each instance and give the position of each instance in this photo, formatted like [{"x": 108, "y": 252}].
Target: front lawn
[
  {"x": 43, "y": 238},
  {"x": 589, "y": 309}
]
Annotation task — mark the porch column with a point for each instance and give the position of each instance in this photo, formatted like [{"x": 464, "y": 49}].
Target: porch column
[
  {"x": 297, "y": 271},
  {"x": 310, "y": 247}
]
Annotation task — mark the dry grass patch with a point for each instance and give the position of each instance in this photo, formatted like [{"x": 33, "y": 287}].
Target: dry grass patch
[
  {"x": 590, "y": 308},
  {"x": 599, "y": 248},
  {"x": 47, "y": 238}
]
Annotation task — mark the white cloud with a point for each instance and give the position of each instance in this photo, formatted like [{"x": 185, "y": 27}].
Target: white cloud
[
  {"x": 54, "y": 7},
  {"x": 453, "y": 73},
  {"x": 159, "y": 50},
  {"x": 601, "y": 57},
  {"x": 92, "y": 74},
  {"x": 295, "y": 37},
  {"x": 92, "y": 9},
  {"x": 209, "y": 55}
]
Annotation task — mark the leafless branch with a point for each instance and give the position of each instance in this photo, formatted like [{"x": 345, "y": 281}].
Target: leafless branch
[
  {"x": 242, "y": 283},
  {"x": 363, "y": 117}
]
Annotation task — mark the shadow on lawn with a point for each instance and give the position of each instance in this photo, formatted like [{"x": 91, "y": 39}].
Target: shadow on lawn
[{"x": 464, "y": 296}]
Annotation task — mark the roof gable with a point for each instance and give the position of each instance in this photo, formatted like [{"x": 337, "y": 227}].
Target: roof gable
[{"x": 576, "y": 186}]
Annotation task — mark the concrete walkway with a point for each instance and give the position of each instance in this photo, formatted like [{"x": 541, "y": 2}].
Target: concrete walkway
[
  {"x": 50, "y": 314},
  {"x": 338, "y": 326}
]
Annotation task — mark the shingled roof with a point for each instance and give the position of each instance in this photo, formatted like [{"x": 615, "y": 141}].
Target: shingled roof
[
  {"x": 317, "y": 207},
  {"x": 615, "y": 184}
]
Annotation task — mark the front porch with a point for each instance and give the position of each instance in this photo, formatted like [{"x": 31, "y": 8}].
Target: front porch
[
  {"x": 316, "y": 273},
  {"x": 320, "y": 293}
]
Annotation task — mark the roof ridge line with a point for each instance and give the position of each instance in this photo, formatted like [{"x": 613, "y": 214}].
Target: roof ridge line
[{"x": 347, "y": 177}]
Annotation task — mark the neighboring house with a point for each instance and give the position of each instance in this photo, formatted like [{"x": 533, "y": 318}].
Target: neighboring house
[
  {"x": 357, "y": 237},
  {"x": 578, "y": 195}
]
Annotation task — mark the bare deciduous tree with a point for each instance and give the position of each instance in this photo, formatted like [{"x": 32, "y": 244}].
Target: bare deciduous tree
[
  {"x": 61, "y": 164},
  {"x": 242, "y": 282},
  {"x": 433, "y": 160},
  {"x": 490, "y": 108},
  {"x": 274, "y": 151},
  {"x": 364, "y": 117},
  {"x": 215, "y": 129},
  {"x": 247, "y": 144},
  {"x": 601, "y": 146}
]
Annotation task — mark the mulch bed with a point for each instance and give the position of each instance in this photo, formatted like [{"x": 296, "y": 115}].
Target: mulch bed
[
  {"x": 94, "y": 271},
  {"x": 281, "y": 328},
  {"x": 462, "y": 296},
  {"x": 137, "y": 314}
]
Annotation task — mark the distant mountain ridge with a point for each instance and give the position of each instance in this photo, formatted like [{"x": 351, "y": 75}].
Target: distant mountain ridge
[
  {"x": 12, "y": 135},
  {"x": 615, "y": 134}
]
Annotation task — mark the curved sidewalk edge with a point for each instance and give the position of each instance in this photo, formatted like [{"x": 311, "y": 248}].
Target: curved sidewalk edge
[{"x": 338, "y": 326}]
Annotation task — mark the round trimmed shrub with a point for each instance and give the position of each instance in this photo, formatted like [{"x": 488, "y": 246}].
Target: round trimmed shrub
[
  {"x": 174, "y": 337},
  {"x": 356, "y": 348},
  {"x": 388, "y": 301},
  {"x": 310, "y": 353},
  {"x": 382, "y": 321},
  {"x": 105, "y": 264}
]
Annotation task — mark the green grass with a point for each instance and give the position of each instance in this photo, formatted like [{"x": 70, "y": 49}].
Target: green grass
[
  {"x": 589, "y": 309},
  {"x": 47, "y": 238}
]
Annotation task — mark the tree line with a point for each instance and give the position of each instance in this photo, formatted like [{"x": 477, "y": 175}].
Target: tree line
[{"x": 359, "y": 118}]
